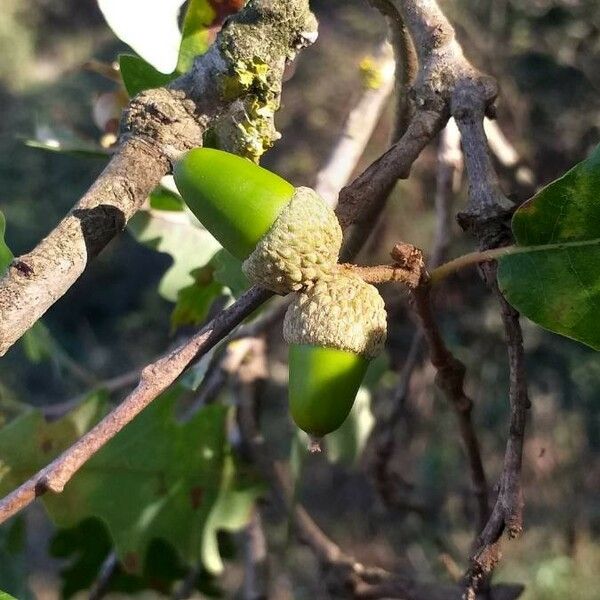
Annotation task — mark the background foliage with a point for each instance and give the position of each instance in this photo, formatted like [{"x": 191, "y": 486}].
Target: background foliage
[{"x": 546, "y": 55}]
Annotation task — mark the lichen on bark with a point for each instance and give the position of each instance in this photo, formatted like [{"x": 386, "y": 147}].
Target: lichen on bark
[{"x": 256, "y": 58}]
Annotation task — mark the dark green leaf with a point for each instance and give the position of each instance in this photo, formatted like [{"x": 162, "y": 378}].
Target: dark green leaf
[
  {"x": 156, "y": 479},
  {"x": 228, "y": 272},
  {"x": 138, "y": 75},
  {"x": 6, "y": 255},
  {"x": 87, "y": 546},
  {"x": 13, "y": 571},
  {"x": 163, "y": 199},
  {"x": 194, "y": 302},
  {"x": 554, "y": 276}
]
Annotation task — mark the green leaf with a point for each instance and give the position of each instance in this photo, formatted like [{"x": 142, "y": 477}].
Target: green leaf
[
  {"x": 6, "y": 255},
  {"x": 13, "y": 574},
  {"x": 156, "y": 479},
  {"x": 553, "y": 277},
  {"x": 88, "y": 544},
  {"x": 38, "y": 343},
  {"x": 163, "y": 199},
  {"x": 228, "y": 272},
  {"x": 174, "y": 233},
  {"x": 138, "y": 75},
  {"x": 194, "y": 302},
  {"x": 196, "y": 36}
]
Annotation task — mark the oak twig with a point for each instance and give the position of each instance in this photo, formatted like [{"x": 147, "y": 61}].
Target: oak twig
[
  {"x": 154, "y": 379},
  {"x": 450, "y": 379}
]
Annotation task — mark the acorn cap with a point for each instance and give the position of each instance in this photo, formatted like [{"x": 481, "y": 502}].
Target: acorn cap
[
  {"x": 323, "y": 385},
  {"x": 302, "y": 246},
  {"x": 236, "y": 200},
  {"x": 343, "y": 312}
]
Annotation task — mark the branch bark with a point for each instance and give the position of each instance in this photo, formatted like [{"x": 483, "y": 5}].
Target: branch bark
[{"x": 157, "y": 127}]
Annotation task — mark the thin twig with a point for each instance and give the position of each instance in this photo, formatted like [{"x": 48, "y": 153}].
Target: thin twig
[
  {"x": 154, "y": 379},
  {"x": 406, "y": 65},
  {"x": 107, "y": 571},
  {"x": 390, "y": 484},
  {"x": 486, "y": 217},
  {"x": 508, "y": 508},
  {"x": 450, "y": 379}
]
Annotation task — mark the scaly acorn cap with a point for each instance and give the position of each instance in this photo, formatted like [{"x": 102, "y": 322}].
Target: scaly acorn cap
[
  {"x": 301, "y": 248},
  {"x": 342, "y": 312}
]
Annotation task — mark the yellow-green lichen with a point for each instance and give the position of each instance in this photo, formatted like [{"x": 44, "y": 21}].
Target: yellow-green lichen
[
  {"x": 249, "y": 129},
  {"x": 370, "y": 73}
]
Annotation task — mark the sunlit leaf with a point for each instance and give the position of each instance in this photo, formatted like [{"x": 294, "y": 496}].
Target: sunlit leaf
[
  {"x": 150, "y": 27},
  {"x": 174, "y": 233},
  {"x": 554, "y": 279},
  {"x": 195, "y": 38},
  {"x": 201, "y": 19}
]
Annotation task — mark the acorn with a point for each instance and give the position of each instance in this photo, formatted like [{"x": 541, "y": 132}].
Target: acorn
[
  {"x": 334, "y": 329},
  {"x": 287, "y": 237}
]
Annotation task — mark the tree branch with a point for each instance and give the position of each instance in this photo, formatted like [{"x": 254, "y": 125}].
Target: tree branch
[
  {"x": 154, "y": 379},
  {"x": 157, "y": 126},
  {"x": 406, "y": 65},
  {"x": 450, "y": 379}
]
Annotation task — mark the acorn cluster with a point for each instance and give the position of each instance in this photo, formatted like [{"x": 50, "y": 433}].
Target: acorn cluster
[{"x": 289, "y": 241}]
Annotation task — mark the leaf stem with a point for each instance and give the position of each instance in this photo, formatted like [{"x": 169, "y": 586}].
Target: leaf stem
[{"x": 466, "y": 260}]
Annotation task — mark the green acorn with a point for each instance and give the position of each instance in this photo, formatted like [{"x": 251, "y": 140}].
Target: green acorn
[
  {"x": 287, "y": 237},
  {"x": 334, "y": 329}
]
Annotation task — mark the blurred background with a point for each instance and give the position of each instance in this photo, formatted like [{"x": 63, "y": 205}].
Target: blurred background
[{"x": 546, "y": 56}]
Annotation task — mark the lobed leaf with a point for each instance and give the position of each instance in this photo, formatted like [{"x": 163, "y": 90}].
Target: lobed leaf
[
  {"x": 174, "y": 233},
  {"x": 156, "y": 479}
]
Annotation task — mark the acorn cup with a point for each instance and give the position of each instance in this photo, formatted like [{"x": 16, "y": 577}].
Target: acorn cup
[
  {"x": 287, "y": 237},
  {"x": 334, "y": 329}
]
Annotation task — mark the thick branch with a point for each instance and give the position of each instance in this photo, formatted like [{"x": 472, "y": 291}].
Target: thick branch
[{"x": 157, "y": 127}]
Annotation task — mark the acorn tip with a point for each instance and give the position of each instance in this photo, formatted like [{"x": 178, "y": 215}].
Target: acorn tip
[{"x": 314, "y": 445}]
